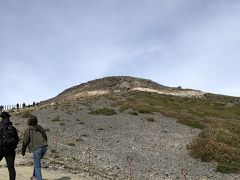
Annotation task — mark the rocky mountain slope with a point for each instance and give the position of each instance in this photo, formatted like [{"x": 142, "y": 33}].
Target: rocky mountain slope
[
  {"x": 118, "y": 84},
  {"x": 132, "y": 128}
]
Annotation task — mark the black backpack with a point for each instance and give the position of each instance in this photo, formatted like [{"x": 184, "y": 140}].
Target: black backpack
[{"x": 8, "y": 139}]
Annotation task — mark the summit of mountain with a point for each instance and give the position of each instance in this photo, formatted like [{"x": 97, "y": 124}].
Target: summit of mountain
[{"x": 113, "y": 84}]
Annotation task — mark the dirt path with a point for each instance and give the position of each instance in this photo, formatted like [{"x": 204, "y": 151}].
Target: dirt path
[{"x": 25, "y": 172}]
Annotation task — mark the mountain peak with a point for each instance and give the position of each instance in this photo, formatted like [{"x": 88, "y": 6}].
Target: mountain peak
[{"x": 118, "y": 84}]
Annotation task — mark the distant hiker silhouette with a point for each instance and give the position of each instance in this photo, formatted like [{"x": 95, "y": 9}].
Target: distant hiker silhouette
[
  {"x": 8, "y": 143},
  {"x": 35, "y": 138},
  {"x": 23, "y": 105}
]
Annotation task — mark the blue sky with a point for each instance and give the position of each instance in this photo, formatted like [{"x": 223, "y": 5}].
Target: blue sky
[{"x": 49, "y": 45}]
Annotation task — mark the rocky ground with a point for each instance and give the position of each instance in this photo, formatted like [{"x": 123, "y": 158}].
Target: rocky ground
[{"x": 107, "y": 147}]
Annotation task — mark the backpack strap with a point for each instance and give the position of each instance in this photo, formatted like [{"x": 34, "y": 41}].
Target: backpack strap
[{"x": 41, "y": 131}]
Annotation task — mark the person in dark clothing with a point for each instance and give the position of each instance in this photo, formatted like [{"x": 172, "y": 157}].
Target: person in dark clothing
[
  {"x": 1, "y": 108},
  {"x": 8, "y": 143}
]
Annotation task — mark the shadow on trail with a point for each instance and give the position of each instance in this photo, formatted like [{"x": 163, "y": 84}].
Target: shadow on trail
[{"x": 62, "y": 178}]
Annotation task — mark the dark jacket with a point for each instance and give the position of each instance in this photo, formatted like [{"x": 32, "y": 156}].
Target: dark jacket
[
  {"x": 34, "y": 137},
  {"x": 8, "y": 138}
]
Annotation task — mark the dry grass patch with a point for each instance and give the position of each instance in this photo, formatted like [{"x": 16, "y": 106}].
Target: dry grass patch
[{"x": 220, "y": 145}]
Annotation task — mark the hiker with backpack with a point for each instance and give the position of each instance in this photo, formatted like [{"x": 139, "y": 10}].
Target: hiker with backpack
[
  {"x": 8, "y": 143},
  {"x": 35, "y": 138}
]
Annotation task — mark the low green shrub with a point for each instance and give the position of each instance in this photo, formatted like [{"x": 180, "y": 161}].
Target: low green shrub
[
  {"x": 62, "y": 123},
  {"x": 71, "y": 144},
  {"x": 103, "y": 111},
  {"x": 57, "y": 118},
  {"x": 133, "y": 113},
  {"x": 150, "y": 119},
  {"x": 26, "y": 113}
]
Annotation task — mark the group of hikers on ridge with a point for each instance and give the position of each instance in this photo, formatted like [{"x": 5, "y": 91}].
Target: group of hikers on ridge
[
  {"x": 17, "y": 106},
  {"x": 35, "y": 139}
]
